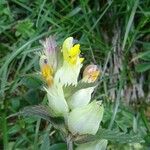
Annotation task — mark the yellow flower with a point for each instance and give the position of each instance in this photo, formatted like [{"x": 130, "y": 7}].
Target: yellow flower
[
  {"x": 73, "y": 55},
  {"x": 72, "y": 63}
]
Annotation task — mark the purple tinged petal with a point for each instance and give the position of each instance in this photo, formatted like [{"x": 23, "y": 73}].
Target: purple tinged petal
[
  {"x": 49, "y": 49},
  {"x": 49, "y": 45}
]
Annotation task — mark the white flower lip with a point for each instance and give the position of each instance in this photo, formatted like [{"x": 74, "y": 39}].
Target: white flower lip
[
  {"x": 85, "y": 119},
  {"x": 80, "y": 98}
]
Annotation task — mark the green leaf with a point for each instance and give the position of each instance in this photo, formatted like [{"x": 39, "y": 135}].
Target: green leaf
[
  {"x": 46, "y": 142},
  {"x": 74, "y": 12},
  {"x": 144, "y": 56},
  {"x": 32, "y": 96},
  {"x": 143, "y": 67},
  {"x": 32, "y": 81},
  {"x": 14, "y": 129},
  {"x": 130, "y": 21},
  {"x": 111, "y": 135},
  {"x": 25, "y": 28},
  {"x": 44, "y": 113},
  {"x": 60, "y": 146},
  {"x": 70, "y": 90},
  {"x": 147, "y": 138}
]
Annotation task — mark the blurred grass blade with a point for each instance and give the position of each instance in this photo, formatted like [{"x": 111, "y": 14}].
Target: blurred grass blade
[
  {"x": 143, "y": 67},
  {"x": 4, "y": 130},
  {"x": 46, "y": 143},
  {"x": 4, "y": 68},
  {"x": 59, "y": 146},
  {"x": 129, "y": 24},
  {"x": 41, "y": 8}
]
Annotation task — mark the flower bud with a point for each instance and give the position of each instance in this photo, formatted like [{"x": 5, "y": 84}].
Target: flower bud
[
  {"x": 85, "y": 119},
  {"x": 56, "y": 100},
  {"x": 96, "y": 145},
  {"x": 50, "y": 51},
  {"x": 91, "y": 73}
]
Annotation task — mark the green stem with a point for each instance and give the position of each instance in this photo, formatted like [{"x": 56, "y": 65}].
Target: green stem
[
  {"x": 36, "y": 134},
  {"x": 69, "y": 143}
]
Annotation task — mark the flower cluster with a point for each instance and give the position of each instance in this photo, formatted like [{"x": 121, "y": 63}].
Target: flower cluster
[{"x": 60, "y": 71}]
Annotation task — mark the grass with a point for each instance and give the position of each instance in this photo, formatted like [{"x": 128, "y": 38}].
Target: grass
[{"x": 113, "y": 34}]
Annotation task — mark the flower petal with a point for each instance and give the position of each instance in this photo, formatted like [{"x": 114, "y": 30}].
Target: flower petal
[
  {"x": 67, "y": 74},
  {"x": 85, "y": 119},
  {"x": 50, "y": 51},
  {"x": 80, "y": 98},
  {"x": 56, "y": 100}
]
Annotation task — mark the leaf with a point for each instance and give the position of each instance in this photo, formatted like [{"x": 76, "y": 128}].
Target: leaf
[
  {"x": 147, "y": 139},
  {"x": 32, "y": 96},
  {"x": 60, "y": 146},
  {"x": 83, "y": 85},
  {"x": 143, "y": 67},
  {"x": 130, "y": 21},
  {"x": 46, "y": 143},
  {"x": 32, "y": 81},
  {"x": 25, "y": 28},
  {"x": 44, "y": 113},
  {"x": 70, "y": 90},
  {"x": 144, "y": 55},
  {"x": 111, "y": 135},
  {"x": 74, "y": 12}
]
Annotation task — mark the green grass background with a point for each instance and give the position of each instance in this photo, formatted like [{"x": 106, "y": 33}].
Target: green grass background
[{"x": 113, "y": 34}]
